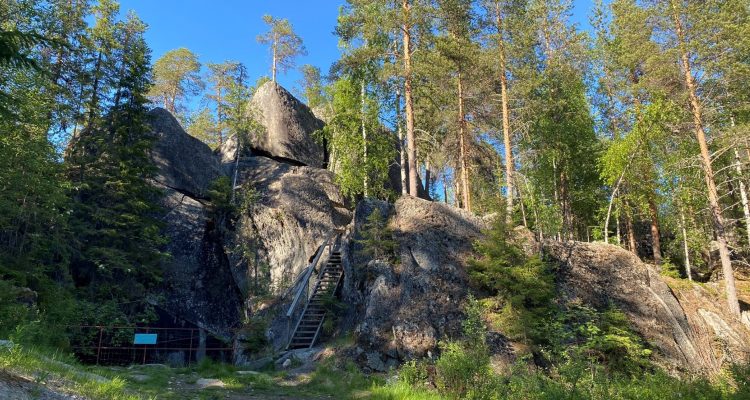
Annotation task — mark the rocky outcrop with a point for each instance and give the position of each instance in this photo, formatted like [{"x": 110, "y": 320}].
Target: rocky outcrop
[
  {"x": 295, "y": 208},
  {"x": 184, "y": 163},
  {"x": 689, "y": 328},
  {"x": 198, "y": 285},
  {"x": 401, "y": 310},
  {"x": 288, "y": 127}
]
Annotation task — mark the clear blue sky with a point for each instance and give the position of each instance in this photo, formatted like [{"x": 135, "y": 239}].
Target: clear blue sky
[{"x": 222, "y": 30}]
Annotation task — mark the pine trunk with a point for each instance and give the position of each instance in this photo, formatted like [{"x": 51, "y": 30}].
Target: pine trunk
[
  {"x": 655, "y": 231},
  {"x": 273, "y": 60},
  {"x": 743, "y": 193},
  {"x": 686, "y": 247},
  {"x": 411, "y": 144},
  {"x": 462, "y": 146},
  {"x": 507, "y": 144},
  {"x": 401, "y": 150},
  {"x": 708, "y": 172},
  {"x": 364, "y": 138},
  {"x": 631, "y": 231},
  {"x": 427, "y": 176}
]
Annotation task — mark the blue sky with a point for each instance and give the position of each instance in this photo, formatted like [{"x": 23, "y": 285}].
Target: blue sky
[{"x": 222, "y": 30}]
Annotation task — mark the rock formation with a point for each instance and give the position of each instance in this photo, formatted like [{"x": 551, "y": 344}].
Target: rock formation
[
  {"x": 198, "y": 283},
  {"x": 184, "y": 163},
  {"x": 289, "y": 127},
  {"x": 401, "y": 311},
  {"x": 295, "y": 209},
  {"x": 689, "y": 328}
]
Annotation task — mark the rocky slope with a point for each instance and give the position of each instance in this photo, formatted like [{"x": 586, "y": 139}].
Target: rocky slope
[
  {"x": 689, "y": 327},
  {"x": 401, "y": 310}
]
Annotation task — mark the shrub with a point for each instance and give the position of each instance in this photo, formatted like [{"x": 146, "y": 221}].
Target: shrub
[
  {"x": 414, "y": 373},
  {"x": 377, "y": 237},
  {"x": 523, "y": 287}
]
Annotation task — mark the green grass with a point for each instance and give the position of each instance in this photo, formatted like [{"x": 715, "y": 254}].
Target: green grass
[
  {"x": 65, "y": 373},
  {"x": 346, "y": 382}
]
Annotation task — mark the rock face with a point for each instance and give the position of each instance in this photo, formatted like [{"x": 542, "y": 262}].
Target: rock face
[
  {"x": 295, "y": 209},
  {"x": 198, "y": 283},
  {"x": 400, "y": 312},
  {"x": 184, "y": 163},
  {"x": 289, "y": 126},
  {"x": 688, "y": 327}
]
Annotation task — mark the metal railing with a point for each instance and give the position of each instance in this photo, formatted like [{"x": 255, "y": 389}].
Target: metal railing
[
  {"x": 114, "y": 345},
  {"x": 303, "y": 293}
]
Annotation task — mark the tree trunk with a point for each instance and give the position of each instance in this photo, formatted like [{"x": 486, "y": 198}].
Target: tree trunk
[
  {"x": 655, "y": 231},
  {"x": 743, "y": 193},
  {"x": 507, "y": 144},
  {"x": 273, "y": 59},
  {"x": 743, "y": 189},
  {"x": 93, "y": 105},
  {"x": 685, "y": 245},
  {"x": 462, "y": 146},
  {"x": 401, "y": 150},
  {"x": 411, "y": 144},
  {"x": 364, "y": 138},
  {"x": 631, "y": 231},
  {"x": 445, "y": 187},
  {"x": 708, "y": 172},
  {"x": 427, "y": 176},
  {"x": 219, "y": 116}
]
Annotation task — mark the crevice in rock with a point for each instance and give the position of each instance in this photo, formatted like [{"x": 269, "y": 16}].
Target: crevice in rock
[
  {"x": 187, "y": 193},
  {"x": 255, "y": 152}
]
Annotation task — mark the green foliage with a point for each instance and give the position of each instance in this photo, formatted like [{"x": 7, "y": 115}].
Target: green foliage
[
  {"x": 522, "y": 287},
  {"x": 176, "y": 76},
  {"x": 220, "y": 195},
  {"x": 253, "y": 334},
  {"x": 377, "y": 237},
  {"x": 414, "y": 372},
  {"x": 343, "y": 134},
  {"x": 284, "y": 44},
  {"x": 463, "y": 369},
  {"x": 602, "y": 338},
  {"x": 115, "y": 213},
  {"x": 670, "y": 269}
]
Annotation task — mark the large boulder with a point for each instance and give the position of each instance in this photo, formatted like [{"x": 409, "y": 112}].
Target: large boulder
[
  {"x": 288, "y": 127},
  {"x": 198, "y": 285},
  {"x": 689, "y": 329},
  {"x": 401, "y": 311},
  {"x": 294, "y": 210},
  {"x": 184, "y": 163}
]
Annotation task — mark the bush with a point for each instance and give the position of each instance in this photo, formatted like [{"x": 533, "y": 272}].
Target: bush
[
  {"x": 522, "y": 287},
  {"x": 414, "y": 373},
  {"x": 377, "y": 237}
]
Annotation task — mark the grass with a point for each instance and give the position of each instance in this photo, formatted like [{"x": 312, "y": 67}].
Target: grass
[
  {"x": 61, "y": 370},
  {"x": 156, "y": 382},
  {"x": 345, "y": 381}
]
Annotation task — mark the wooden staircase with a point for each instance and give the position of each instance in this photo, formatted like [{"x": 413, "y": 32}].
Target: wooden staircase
[{"x": 310, "y": 323}]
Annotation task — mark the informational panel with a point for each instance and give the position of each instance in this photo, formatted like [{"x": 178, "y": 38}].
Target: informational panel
[{"x": 144, "y": 338}]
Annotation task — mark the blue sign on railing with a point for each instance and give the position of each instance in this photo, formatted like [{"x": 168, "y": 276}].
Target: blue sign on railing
[{"x": 144, "y": 338}]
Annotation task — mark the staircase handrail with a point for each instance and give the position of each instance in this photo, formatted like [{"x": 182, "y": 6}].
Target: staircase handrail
[{"x": 304, "y": 282}]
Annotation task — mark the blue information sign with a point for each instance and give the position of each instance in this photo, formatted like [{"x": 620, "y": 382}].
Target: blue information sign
[{"x": 144, "y": 338}]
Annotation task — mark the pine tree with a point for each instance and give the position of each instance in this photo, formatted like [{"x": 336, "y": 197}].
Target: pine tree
[
  {"x": 176, "y": 76},
  {"x": 285, "y": 45},
  {"x": 114, "y": 217}
]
